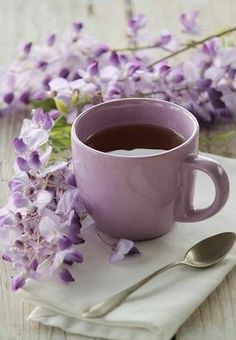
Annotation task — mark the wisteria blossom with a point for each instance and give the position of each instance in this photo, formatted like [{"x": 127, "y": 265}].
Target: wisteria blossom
[
  {"x": 189, "y": 22},
  {"x": 78, "y": 71},
  {"x": 41, "y": 220}
]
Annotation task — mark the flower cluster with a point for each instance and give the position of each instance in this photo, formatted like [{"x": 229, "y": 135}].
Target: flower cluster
[
  {"x": 40, "y": 221},
  {"x": 81, "y": 71}
]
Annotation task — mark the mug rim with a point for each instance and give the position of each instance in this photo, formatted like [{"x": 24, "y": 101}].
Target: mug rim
[{"x": 165, "y": 152}]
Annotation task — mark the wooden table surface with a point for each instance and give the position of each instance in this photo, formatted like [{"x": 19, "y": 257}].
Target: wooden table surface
[{"x": 26, "y": 20}]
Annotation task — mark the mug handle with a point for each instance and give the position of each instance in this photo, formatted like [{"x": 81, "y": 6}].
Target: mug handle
[{"x": 187, "y": 212}]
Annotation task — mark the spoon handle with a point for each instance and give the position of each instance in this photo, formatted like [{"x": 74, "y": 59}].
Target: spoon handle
[{"x": 107, "y": 305}]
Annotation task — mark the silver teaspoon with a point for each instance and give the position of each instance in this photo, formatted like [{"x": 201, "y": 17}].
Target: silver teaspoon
[{"x": 203, "y": 254}]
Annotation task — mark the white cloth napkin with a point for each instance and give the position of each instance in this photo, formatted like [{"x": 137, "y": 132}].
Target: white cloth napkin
[{"x": 156, "y": 310}]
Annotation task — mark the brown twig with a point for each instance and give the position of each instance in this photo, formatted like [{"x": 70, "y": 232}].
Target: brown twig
[
  {"x": 187, "y": 47},
  {"x": 194, "y": 44}
]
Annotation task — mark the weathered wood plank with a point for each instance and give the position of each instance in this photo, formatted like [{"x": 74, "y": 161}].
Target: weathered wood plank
[
  {"x": 27, "y": 20},
  {"x": 216, "y": 317}
]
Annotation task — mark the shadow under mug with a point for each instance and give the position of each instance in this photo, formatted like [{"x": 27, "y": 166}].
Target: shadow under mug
[{"x": 140, "y": 197}]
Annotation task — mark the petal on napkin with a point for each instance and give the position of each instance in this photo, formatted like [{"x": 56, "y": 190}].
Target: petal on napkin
[{"x": 122, "y": 248}]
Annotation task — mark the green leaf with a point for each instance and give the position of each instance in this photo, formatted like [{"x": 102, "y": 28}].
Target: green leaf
[
  {"x": 60, "y": 139},
  {"x": 75, "y": 99},
  {"x": 61, "y": 106},
  {"x": 221, "y": 137},
  {"x": 47, "y": 104}
]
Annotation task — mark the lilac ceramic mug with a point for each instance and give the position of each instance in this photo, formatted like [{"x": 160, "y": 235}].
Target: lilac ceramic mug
[{"x": 140, "y": 197}]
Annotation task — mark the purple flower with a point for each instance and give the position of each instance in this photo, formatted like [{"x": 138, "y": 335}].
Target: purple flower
[
  {"x": 34, "y": 160},
  {"x": 42, "y": 65},
  {"x": 204, "y": 84},
  {"x": 64, "y": 72},
  {"x": 53, "y": 114},
  {"x": 66, "y": 276},
  {"x": 113, "y": 93},
  {"x": 58, "y": 84},
  {"x": 40, "y": 95},
  {"x": 19, "y": 145},
  {"x": 164, "y": 70},
  {"x": 211, "y": 47},
  {"x": 8, "y": 97},
  {"x": 33, "y": 134},
  {"x": 175, "y": 76},
  {"x": 134, "y": 251},
  {"x": 6, "y": 220},
  {"x": 43, "y": 198},
  {"x": 48, "y": 227},
  {"x": 15, "y": 185},
  {"x": 51, "y": 39},
  {"x": 74, "y": 226},
  {"x": 38, "y": 116},
  {"x": 19, "y": 200},
  {"x": 93, "y": 69},
  {"x": 135, "y": 24},
  {"x": 67, "y": 201},
  {"x": 74, "y": 256},
  {"x": 48, "y": 122},
  {"x": 64, "y": 242},
  {"x": 27, "y": 48},
  {"x": 70, "y": 180},
  {"x": 22, "y": 164},
  {"x": 25, "y": 97},
  {"x": 132, "y": 68},
  {"x": 188, "y": 20},
  {"x": 122, "y": 248},
  {"x": 164, "y": 39},
  {"x": 34, "y": 264},
  {"x": 77, "y": 26},
  {"x": 46, "y": 81},
  {"x": 215, "y": 98},
  {"x": 114, "y": 59},
  {"x": 102, "y": 48},
  {"x": 75, "y": 222},
  {"x": 6, "y": 257},
  {"x": 17, "y": 282}
]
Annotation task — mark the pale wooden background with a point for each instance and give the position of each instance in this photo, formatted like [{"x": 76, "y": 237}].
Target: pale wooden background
[{"x": 26, "y": 20}]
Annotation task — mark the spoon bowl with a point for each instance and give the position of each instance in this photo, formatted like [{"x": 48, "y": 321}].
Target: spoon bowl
[
  {"x": 210, "y": 251},
  {"x": 203, "y": 254}
]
